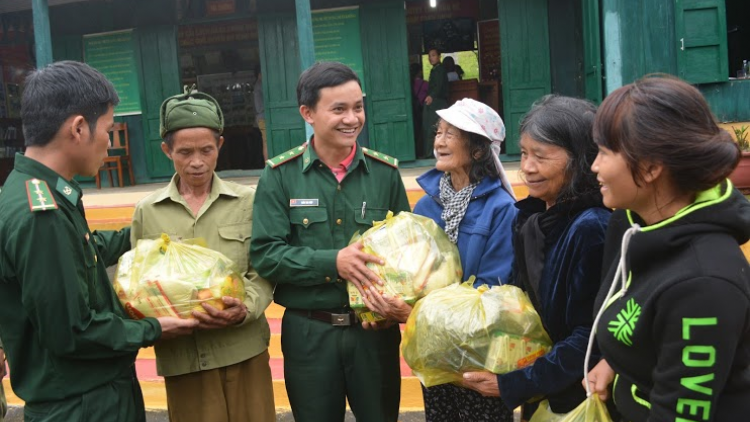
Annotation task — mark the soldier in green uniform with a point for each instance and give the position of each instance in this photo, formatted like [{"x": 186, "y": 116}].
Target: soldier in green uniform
[
  {"x": 70, "y": 345},
  {"x": 437, "y": 99},
  {"x": 309, "y": 202}
]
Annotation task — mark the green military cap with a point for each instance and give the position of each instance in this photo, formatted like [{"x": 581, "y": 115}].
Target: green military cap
[{"x": 190, "y": 109}]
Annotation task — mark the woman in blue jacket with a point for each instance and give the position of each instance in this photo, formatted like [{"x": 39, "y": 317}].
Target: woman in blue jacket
[
  {"x": 470, "y": 197},
  {"x": 558, "y": 240}
]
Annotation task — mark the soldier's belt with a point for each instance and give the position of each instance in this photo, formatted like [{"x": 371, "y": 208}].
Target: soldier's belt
[{"x": 345, "y": 319}]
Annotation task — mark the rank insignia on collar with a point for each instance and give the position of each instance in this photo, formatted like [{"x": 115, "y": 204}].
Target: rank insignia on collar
[{"x": 40, "y": 197}]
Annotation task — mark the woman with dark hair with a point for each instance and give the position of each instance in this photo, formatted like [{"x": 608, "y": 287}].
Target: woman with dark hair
[
  {"x": 450, "y": 69},
  {"x": 558, "y": 240},
  {"x": 470, "y": 197},
  {"x": 677, "y": 332}
]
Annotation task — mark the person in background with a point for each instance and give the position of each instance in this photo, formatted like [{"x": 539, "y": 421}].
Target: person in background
[
  {"x": 450, "y": 69},
  {"x": 558, "y": 240},
  {"x": 260, "y": 109},
  {"x": 70, "y": 344},
  {"x": 470, "y": 197},
  {"x": 310, "y": 202},
  {"x": 419, "y": 89},
  {"x": 674, "y": 323},
  {"x": 437, "y": 99},
  {"x": 221, "y": 373}
]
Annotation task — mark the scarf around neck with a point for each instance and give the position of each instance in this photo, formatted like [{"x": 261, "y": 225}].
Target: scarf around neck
[{"x": 454, "y": 205}]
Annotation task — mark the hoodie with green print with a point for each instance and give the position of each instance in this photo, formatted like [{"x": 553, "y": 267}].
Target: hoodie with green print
[{"x": 678, "y": 334}]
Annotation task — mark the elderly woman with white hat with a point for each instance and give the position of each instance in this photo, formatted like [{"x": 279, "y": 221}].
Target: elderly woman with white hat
[{"x": 470, "y": 197}]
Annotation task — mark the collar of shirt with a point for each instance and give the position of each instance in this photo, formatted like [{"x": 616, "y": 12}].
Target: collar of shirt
[
  {"x": 218, "y": 187},
  {"x": 55, "y": 182},
  {"x": 309, "y": 158}
]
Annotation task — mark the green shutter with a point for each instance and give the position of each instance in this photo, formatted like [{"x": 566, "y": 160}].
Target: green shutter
[
  {"x": 524, "y": 38},
  {"x": 279, "y": 52},
  {"x": 701, "y": 35},
  {"x": 386, "y": 61},
  {"x": 592, "y": 57},
  {"x": 159, "y": 78}
]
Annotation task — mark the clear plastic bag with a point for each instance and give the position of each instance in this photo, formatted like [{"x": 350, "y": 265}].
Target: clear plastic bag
[
  {"x": 164, "y": 278},
  {"x": 591, "y": 410},
  {"x": 419, "y": 258},
  {"x": 460, "y": 329},
  {"x": 545, "y": 414}
]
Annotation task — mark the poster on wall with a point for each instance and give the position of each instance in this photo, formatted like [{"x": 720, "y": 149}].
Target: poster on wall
[
  {"x": 336, "y": 38},
  {"x": 113, "y": 54}
]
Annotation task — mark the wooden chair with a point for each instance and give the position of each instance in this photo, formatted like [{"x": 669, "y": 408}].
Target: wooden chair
[{"x": 118, "y": 155}]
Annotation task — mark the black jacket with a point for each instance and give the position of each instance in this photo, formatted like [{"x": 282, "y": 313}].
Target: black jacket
[{"x": 679, "y": 335}]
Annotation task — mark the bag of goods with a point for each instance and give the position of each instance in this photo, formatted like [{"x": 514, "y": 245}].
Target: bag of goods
[
  {"x": 161, "y": 278},
  {"x": 419, "y": 258},
  {"x": 591, "y": 410},
  {"x": 461, "y": 329}
]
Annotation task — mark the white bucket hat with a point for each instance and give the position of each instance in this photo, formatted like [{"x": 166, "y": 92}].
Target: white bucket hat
[{"x": 475, "y": 117}]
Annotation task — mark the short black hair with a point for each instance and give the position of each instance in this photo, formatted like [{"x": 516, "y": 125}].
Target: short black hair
[
  {"x": 56, "y": 92},
  {"x": 169, "y": 137},
  {"x": 322, "y": 75}
]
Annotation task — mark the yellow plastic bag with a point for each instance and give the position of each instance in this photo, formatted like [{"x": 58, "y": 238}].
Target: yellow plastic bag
[
  {"x": 591, "y": 410},
  {"x": 460, "y": 329},
  {"x": 419, "y": 258},
  {"x": 165, "y": 278},
  {"x": 545, "y": 414}
]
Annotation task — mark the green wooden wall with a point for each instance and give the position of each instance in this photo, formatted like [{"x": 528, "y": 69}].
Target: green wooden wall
[{"x": 729, "y": 101}]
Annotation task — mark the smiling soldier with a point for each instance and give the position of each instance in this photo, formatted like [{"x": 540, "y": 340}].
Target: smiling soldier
[{"x": 310, "y": 201}]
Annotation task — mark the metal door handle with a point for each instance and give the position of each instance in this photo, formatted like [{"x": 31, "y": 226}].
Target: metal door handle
[{"x": 682, "y": 44}]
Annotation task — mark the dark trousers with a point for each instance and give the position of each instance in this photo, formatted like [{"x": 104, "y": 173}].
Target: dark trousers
[
  {"x": 326, "y": 365},
  {"x": 119, "y": 401}
]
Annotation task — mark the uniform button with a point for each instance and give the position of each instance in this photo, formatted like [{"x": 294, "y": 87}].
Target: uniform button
[
  {"x": 328, "y": 279},
  {"x": 338, "y": 221},
  {"x": 320, "y": 165},
  {"x": 339, "y": 280},
  {"x": 204, "y": 364},
  {"x": 305, "y": 221},
  {"x": 338, "y": 187}
]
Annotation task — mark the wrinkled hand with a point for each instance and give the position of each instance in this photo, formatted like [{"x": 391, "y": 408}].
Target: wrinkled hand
[
  {"x": 428, "y": 100},
  {"x": 2, "y": 363},
  {"x": 599, "y": 379},
  {"x": 484, "y": 383},
  {"x": 233, "y": 314},
  {"x": 172, "y": 327},
  {"x": 351, "y": 264},
  {"x": 389, "y": 306},
  {"x": 379, "y": 325}
]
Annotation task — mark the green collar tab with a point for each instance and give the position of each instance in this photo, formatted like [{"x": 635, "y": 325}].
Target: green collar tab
[{"x": 67, "y": 191}]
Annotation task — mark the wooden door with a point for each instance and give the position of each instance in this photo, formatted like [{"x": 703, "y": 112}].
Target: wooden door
[
  {"x": 279, "y": 52},
  {"x": 524, "y": 40},
  {"x": 386, "y": 61},
  {"x": 160, "y": 79}
]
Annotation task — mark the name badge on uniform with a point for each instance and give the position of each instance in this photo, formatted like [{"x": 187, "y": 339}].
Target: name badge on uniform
[{"x": 303, "y": 203}]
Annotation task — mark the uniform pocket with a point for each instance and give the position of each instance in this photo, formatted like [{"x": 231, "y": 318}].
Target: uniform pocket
[
  {"x": 90, "y": 260},
  {"x": 309, "y": 226},
  {"x": 236, "y": 237},
  {"x": 370, "y": 214}
]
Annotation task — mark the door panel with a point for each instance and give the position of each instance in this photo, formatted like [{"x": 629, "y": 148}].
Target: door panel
[
  {"x": 592, "y": 56},
  {"x": 279, "y": 52},
  {"x": 160, "y": 79},
  {"x": 386, "y": 61},
  {"x": 701, "y": 35},
  {"x": 524, "y": 39}
]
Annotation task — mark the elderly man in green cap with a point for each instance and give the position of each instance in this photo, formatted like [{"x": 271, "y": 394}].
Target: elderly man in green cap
[{"x": 221, "y": 373}]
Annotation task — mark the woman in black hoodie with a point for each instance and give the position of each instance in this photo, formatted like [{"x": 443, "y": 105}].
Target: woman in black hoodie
[{"x": 674, "y": 323}]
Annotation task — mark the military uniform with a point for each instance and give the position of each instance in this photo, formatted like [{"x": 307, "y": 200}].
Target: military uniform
[
  {"x": 3, "y": 403},
  {"x": 303, "y": 217},
  {"x": 438, "y": 90},
  {"x": 70, "y": 345}
]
